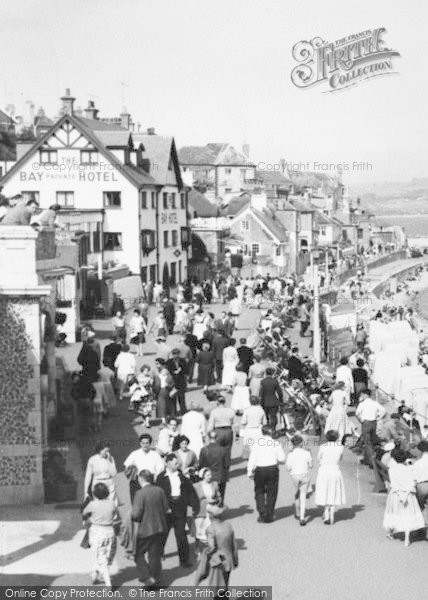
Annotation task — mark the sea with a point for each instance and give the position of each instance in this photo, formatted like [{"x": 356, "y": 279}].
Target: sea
[{"x": 414, "y": 225}]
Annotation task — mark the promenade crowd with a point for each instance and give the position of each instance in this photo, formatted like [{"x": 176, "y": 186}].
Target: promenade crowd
[{"x": 259, "y": 387}]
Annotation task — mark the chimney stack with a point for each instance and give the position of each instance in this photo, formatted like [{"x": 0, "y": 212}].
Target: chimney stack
[
  {"x": 67, "y": 103},
  {"x": 125, "y": 119},
  {"x": 151, "y": 131},
  {"x": 91, "y": 112}
]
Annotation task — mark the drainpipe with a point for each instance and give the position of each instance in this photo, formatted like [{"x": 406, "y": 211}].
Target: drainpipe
[{"x": 158, "y": 240}]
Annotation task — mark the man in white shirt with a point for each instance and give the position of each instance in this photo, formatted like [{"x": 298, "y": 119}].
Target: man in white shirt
[
  {"x": 142, "y": 459},
  {"x": 125, "y": 365},
  {"x": 263, "y": 462},
  {"x": 235, "y": 309},
  {"x": 368, "y": 412},
  {"x": 299, "y": 461}
]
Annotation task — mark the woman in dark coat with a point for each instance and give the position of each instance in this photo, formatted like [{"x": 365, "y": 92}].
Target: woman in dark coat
[{"x": 205, "y": 360}]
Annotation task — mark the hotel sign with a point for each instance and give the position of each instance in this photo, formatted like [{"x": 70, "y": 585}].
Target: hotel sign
[{"x": 342, "y": 63}]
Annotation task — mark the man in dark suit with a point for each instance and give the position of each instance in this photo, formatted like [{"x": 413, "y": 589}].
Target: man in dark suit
[
  {"x": 180, "y": 494},
  {"x": 245, "y": 355},
  {"x": 215, "y": 457},
  {"x": 220, "y": 342},
  {"x": 169, "y": 314},
  {"x": 149, "y": 510},
  {"x": 111, "y": 352},
  {"x": 270, "y": 397},
  {"x": 295, "y": 366},
  {"x": 177, "y": 366}
]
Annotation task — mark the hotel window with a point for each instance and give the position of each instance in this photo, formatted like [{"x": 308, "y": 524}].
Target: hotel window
[
  {"x": 112, "y": 199},
  {"x": 30, "y": 196},
  {"x": 228, "y": 171},
  {"x": 65, "y": 199},
  {"x": 88, "y": 157},
  {"x": 170, "y": 165},
  {"x": 96, "y": 238},
  {"x": 143, "y": 200},
  {"x": 278, "y": 251},
  {"x": 174, "y": 238},
  {"x": 165, "y": 239},
  {"x": 245, "y": 225},
  {"x": 255, "y": 248},
  {"x": 360, "y": 233},
  {"x": 182, "y": 200},
  {"x": 48, "y": 156},
  {"x": 165, "y": 200},
  {"x": 172, "y": 202},
  {"x": 323, "y": 230},
  {"x": 153, "y": 199},
  {"x": 112, "y": 241}
]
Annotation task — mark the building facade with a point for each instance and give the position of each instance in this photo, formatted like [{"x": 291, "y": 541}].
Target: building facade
[{"x": 99, "y": 175}]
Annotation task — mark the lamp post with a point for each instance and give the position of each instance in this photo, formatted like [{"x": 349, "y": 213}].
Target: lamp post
[{"x": 317, "y": 333}]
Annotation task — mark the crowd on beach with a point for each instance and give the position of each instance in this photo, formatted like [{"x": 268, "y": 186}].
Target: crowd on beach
[{"x": 257, "y": 390}]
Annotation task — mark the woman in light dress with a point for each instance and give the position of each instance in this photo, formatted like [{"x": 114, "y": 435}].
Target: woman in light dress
[
  {"x": 193, "y": 426},
  {"x": 199, "y": 324},
  {"x": 255, "y": 374},
  {"x": 344, "y": 373},
  {"x": 167, "y": 437},
  {"x": 402, "y": 512},
  {"x": 252, "y": 420},
  {"x": 330, "y": 489},
  {"x": 208, "y": 493},
  {"x": 101, "y": 468},
  {"x": 337, "y": 419},
  {"x": 230, "y": 362}
]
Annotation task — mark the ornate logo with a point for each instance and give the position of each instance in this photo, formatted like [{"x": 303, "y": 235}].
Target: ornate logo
[{"x": 342, "y": 63}]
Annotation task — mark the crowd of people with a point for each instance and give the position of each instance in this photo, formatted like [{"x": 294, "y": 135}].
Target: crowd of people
[{"x": 257, "y": 390}]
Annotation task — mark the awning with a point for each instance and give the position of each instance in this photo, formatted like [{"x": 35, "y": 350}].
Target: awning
[{"x": 55, "y": 273}]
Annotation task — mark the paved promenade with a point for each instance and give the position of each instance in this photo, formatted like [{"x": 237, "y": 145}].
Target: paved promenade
[{"x": 351, "y": 559}]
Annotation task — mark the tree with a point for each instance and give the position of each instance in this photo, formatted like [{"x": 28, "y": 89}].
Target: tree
[{"x": 26, "y": 135}]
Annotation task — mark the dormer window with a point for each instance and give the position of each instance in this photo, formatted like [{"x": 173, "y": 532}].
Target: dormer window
[
  {"x": 48, "y": 157},
  {"x": 89, "y": 157}
]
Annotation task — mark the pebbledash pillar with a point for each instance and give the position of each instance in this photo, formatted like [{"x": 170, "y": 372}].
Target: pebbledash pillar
[{"x": 21, "y": 410}]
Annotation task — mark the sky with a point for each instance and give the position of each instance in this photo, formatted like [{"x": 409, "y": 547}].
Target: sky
[{"x": 220, "y": 72}]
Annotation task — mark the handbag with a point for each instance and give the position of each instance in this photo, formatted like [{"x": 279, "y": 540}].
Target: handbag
[{"x": 85, "y": 541}]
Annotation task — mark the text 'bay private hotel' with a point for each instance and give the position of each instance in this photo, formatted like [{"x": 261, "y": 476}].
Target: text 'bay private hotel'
[{"x": 122, "y": 187}]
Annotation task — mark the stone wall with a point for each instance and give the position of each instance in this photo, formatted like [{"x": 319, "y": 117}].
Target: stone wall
[{"x": 20, "y": 401}]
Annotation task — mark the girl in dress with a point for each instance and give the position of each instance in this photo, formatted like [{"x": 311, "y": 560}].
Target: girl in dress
[
  {"x": 141, "y": 400},
  {"x": 337, "y": 419},
  {"x": 330, "y": 490},
  {"x": 241, "y": 394},
  {"x": 402, "y": 512},
  {"x": 256, "y": 374},
  {"x": 137, "y": 329},
  {"x": 252, "y": 420},
  {"x": 230, "y": 361}
]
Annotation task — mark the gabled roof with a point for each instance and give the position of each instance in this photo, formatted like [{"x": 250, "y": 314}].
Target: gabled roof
[
  {"x": 160, "y": 150},
  {"x": 274, "y": 178},
  {"x": 201, "y": 205},
  {"x": 236, "y": 204},
  {"x": 5, "y": 118},
  {"x": 212, "y": 154},
  {"x": 135, "y": 175},
  {"x": 267, "y": 220},
  {"x": 115, "y": 139},
  {"x": 43, "y": 121},
  {"x": 301, "y": 206},
  {"x": 99, "y": 125},
  {"x": 313, "y": 179}
]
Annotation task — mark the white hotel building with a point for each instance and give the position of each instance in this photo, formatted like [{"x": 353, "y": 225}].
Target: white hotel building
[{"x": 123, "y": 188}]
